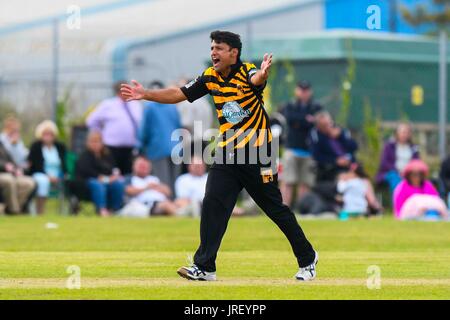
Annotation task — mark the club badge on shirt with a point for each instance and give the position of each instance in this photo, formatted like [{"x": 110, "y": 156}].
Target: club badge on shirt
[
  {"x": 240, "y": 90},
  {"x": 267, "y": 175}
]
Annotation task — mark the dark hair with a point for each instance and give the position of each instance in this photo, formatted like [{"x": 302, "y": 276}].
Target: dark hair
[
  {"x": 360, "y": 172},
  {"x": 156, "y": 84},
  {"x": 117, "y": 85},
  {"x": 422, "y": 178},
  {"x": 304, "y": 84},
  {"x": 230, "y": 38}
]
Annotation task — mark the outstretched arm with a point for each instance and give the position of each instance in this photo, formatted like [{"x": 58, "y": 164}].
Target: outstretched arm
[
  {"x": 260, "y": 77},
  {"x": 138, "y": 92}
]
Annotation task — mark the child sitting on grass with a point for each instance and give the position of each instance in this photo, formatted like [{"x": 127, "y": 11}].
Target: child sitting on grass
[{"x": 357, "y": 193}]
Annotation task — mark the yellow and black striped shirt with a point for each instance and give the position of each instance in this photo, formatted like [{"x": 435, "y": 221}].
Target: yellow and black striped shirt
[{"x": 239, "y": 105}]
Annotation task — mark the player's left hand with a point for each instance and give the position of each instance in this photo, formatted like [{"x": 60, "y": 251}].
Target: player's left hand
[{"x": 265, "y": 65}]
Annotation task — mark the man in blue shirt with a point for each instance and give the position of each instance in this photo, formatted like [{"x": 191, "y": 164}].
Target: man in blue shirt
[
  {"x": 332, "y": 147},
  {"x": 158, "y": 122}
]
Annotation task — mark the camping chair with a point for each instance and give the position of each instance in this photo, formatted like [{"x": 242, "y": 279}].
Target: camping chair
[{"x": 77, "y": 191}]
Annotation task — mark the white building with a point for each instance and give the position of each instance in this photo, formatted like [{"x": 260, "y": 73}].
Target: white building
[{"x": 112, "y": 40}]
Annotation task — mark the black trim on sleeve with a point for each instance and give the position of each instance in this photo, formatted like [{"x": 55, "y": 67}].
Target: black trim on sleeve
[
  {"x": 250, "y": 73},
  {"x": 195, "y": 89},
  {"x": 258, "y": 90}
]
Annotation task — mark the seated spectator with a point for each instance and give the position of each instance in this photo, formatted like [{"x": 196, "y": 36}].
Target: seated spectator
[
  {"x": 2, "y": 205},
  {"x": 118, "y": 121},
  {"x": 357, "y": 193},
  {"x": 11, "y": 140},
  {"x": 444, "y": 179},
  {"x": 147, "y": 195},
  {"x": 320, "y": 200},
  {"x": 415, "y": 197},
  {"x": 332, "y": 147},
  {"x": 190, "y": 187},
  {"x": 16, "y": 188},
  {"x": 397, "y": 153},
  {"x": 96, "y": 166},
  {"x": 46, "y": 161}
]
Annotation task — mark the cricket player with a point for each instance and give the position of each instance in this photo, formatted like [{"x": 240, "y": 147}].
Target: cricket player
[{"x": 236, "y": 88}]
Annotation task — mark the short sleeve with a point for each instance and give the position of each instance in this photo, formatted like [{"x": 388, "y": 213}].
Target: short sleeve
[
  {"x": 251, "y": 71},
  {"x": 195, "y": 89}
]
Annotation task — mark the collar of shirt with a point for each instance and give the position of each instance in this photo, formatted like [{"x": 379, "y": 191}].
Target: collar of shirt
[{"x": 234, "y": 68}]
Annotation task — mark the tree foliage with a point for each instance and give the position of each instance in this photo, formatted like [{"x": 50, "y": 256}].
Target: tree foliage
[{"x": 437, "y": 16}]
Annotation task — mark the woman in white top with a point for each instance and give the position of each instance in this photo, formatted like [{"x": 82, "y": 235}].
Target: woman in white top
[
  {"x": 46, "y": 161},
  {"x": 357, "y": 193},
  {"x": 396, "y": 155}
]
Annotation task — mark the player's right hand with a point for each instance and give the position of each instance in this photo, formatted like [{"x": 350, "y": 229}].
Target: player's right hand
[{"x": 132, "y": 92}]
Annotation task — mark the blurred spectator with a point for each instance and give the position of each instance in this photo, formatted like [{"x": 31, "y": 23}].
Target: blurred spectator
[
  {"x": 332, "y": 147},
  {"x": 190, "y": 187},
  {"x": 397, "y": 152},
  {"x": 15, "y": 187},
  {"x": 298, "y": 166},
  {"x": 158, "y": 123},
  {"x": 444, "y": 179},
  {"x": 358, "y": 196},
  {"x": 11, "y": 140},
  {"x": 415, "y": 197},
  {"x": 2, "y": 205},
  {"x": 96, "y": 166},
  {"x": 148, "y": 196},
  {"x": 320, "y": 200},
  {"x": 200, "y": 110},
  {"x": 118, "y": 121},
  {"x": 46, "y": 161}
]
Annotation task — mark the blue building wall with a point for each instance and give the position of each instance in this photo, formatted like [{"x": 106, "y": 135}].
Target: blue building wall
[{"x": 352, "y": 14}]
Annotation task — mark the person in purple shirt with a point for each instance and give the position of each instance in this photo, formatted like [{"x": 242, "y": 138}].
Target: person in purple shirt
[
  {"x": 118, "y": 121},
  {"x": 397, "y": 153}
]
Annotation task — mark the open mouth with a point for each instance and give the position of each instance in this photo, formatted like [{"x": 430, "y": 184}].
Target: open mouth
[{"x": 215, "y": 61}]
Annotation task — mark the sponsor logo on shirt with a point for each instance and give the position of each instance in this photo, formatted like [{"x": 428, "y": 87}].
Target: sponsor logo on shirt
[
  {"x": 188, "y": 85},
  {"x": 233, "y": 112}
]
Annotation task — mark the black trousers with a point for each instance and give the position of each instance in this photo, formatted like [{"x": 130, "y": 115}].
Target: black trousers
[
  {"x": 123, "y": 156},
  {"x": 225, "y": 181}
]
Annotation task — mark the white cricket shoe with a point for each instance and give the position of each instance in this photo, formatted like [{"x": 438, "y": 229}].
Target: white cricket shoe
[
  {"x": 308, "y": 273},
  {"x": 194, "y": 273}
]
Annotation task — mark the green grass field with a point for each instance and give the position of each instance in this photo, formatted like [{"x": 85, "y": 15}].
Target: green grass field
[{"x": 138, "y": 259}]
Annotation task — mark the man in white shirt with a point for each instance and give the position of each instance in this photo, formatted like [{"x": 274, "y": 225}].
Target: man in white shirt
[
  {"x": 11, "y": 140},
  {"x": 190, "y": 188},
  {"x": 147, "y": 195}
]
